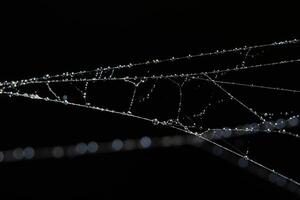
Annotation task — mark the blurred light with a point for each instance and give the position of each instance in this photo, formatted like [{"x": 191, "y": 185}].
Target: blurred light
[
  {"x": 18, "y": 153},
  {"x": 81, "y": 148},
  {"x": 280, "y": 124},
  {"x": 195, "y": 141},
  {"x": 227, "y": 132},
  {"x": 281, "y": 182},
  {"x": 166, "y": 141},
  {"x": 177, "y": 140},
  {"x": 92, "y": 147},
  {"x": 145, "y": 142},
  {"x": 294, "y": 121},
  {"x": 292, "y": 187},
  {"x": 129, "y": 144},
  {"x": 217, "y": 151},
  {"x": 117, "y": 145},
  {"x": 267, "y": 126},
  {"x": 28, "y": 153},
  {"x": 58, "y": 152},
  {"x": 254, "y": 127},
  {"x": 1, "y": 156}
]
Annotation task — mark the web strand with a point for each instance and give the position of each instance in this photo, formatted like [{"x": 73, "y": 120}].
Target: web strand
[{"x": 145, "y": 80}]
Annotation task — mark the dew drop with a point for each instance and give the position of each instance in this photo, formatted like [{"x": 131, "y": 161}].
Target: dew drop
[{"x": 155, "y": 121}]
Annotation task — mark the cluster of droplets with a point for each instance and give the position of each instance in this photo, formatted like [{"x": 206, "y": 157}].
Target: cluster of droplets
[
  {"x": 102, "y": 74},
  {"x": 106, "y": 73}
]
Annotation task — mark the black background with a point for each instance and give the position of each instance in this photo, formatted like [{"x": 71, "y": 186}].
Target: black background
[{"x": 41, "y": 37}]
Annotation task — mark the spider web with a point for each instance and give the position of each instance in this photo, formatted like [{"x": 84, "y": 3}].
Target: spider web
[{"x": 217, "y": 96}]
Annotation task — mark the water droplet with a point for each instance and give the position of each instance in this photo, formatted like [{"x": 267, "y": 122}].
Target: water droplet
[
  {"x": 155, "y": 121},
  {"x": 47, "y": 76},
  {"x": 65, "y": 97}
]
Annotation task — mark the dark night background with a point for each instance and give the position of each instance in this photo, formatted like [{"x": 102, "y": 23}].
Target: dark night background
[{"x": 44, "y": 36}]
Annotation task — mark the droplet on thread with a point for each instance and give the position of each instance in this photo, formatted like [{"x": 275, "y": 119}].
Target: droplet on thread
[{"x": 155, "y": 121}]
